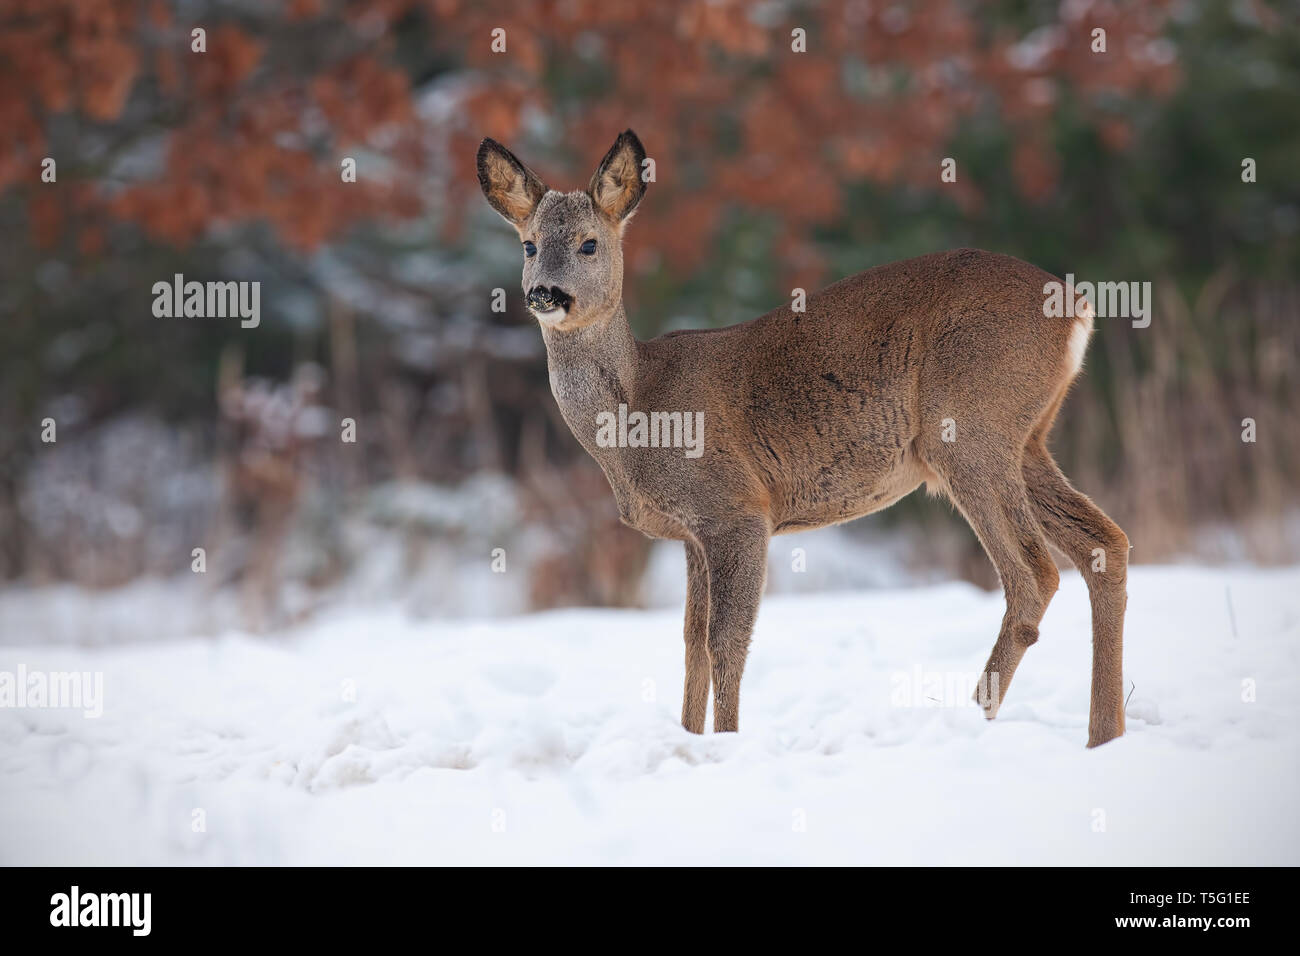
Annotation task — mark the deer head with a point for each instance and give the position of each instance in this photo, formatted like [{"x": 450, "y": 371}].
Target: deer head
[{"x": 572, "y": 242}]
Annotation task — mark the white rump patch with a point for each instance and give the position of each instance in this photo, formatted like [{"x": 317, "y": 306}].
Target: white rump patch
[{"x": 1079, "y": 335}]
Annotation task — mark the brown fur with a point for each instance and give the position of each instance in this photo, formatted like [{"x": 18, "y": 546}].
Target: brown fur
[{"x": 822, "y": 416}]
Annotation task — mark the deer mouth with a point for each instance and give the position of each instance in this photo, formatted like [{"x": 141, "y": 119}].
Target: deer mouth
[
  {"x": 549, "y": 305},
  {"x": 551, "y": 317}
]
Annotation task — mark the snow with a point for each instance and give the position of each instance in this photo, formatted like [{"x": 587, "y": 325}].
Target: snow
[
  {"x": 372, "y": 737},
  {"x": 438, "y": 580}
]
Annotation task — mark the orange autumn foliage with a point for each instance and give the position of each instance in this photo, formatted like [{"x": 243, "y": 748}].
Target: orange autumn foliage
[{"x": 254, "y": 129}]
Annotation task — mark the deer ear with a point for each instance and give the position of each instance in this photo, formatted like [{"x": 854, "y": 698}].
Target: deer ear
[
  {"x": 617, "y": 186},
  {"x": 511, "y": 188}
]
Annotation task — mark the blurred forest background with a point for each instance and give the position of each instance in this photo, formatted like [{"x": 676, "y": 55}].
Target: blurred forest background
[{"x": 774, "y": 169}]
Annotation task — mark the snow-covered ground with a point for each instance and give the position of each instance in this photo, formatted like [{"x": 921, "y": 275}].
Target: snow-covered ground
[{"x": 553, "y": 738}]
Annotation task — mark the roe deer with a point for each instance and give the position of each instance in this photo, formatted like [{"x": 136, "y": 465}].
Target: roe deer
[{"x": 820, "y": 416}]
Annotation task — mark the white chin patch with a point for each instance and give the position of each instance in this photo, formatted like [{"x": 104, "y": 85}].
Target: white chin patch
[{"x": 550, "y": 316}]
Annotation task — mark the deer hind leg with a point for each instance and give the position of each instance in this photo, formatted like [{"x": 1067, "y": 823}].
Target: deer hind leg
[
  {"x": 737, "y": 563},
  {"x": 1099, "y": 549},
  {"x": 996, "y": 505},
  {"x": 695, "y": 698}
]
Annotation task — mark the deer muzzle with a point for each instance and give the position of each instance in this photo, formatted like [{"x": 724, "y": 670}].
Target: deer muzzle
[{"x": 543, "y": 299}]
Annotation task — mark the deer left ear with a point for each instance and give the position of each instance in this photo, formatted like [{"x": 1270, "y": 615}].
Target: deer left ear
[
  {"x": 617, "y": 186},
  {"x": 511, "y": 188}
]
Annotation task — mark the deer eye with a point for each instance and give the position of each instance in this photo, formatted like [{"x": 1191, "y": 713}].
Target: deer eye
[
  {"x": 588, "y": 248},
  {"x": 530, "y": 250}
]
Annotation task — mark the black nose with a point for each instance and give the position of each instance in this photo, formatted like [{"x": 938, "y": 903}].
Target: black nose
[{"x": 544, "y": 299}]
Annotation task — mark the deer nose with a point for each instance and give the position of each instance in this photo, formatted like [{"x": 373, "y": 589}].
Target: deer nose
[{"x": 543, "y": 299}]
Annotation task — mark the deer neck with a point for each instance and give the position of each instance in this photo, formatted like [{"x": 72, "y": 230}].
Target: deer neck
[{"x": 592, "y": 370}]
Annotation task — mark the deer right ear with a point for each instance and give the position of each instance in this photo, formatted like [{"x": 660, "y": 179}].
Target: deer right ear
[
  {"x": 511, "y": 188},
  {"x": 617, "y": 186}
]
